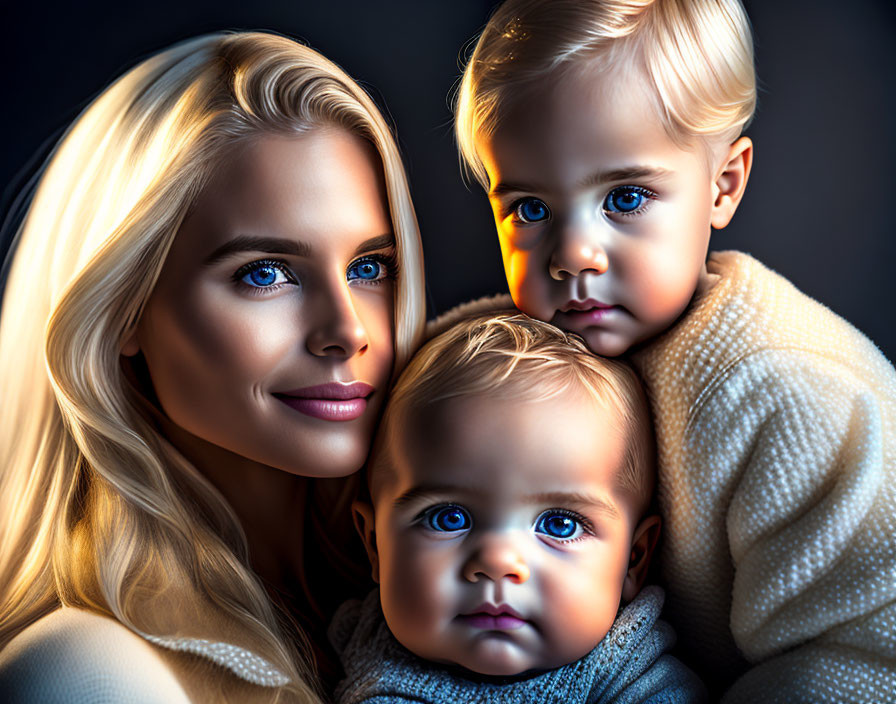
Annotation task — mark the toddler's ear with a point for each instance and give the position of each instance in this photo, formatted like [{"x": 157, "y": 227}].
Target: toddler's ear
[
  {"x": 731, "y": 182},
  {"x": 643, "y": 542},
  {"x": 362, "y": 513}
]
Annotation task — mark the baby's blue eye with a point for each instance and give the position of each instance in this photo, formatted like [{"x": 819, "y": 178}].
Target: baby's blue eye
[
  {"x": 449, "y": 519},
  {"x": 367, "y": 269},
  {"x": 625, "y": 199},
  {"x": 531, "y": 210},
  {"x": 558, "y": 525},
  {"x": 264, "y": 274}
]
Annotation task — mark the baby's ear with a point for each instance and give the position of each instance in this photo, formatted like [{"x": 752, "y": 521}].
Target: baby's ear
[
  {"x": 643, "y": 542},
  {"x": 731, "y": 182},
  {"x": 362, "y": 513}
]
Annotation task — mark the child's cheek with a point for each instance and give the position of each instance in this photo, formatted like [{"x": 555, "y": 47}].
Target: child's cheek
[
  {"x": 419, "y": 589},
  {"x": 528, "y": 285}
]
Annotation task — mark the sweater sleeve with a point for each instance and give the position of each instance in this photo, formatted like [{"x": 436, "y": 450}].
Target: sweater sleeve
[
  {"x": 75, "y": 656},
  {"x": 811, "y": 518}
]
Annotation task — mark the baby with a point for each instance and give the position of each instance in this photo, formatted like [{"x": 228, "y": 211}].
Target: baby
[
  {"x": 607, "y": 134},
  {"x": 508, "y": 518}
]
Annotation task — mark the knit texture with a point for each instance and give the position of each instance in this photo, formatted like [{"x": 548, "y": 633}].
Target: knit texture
[
  {"x": 776, "y": 431},
  {"x": 630, "y": 665}
]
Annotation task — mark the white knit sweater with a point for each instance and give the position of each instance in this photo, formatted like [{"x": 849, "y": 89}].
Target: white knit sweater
[{"x": 776, "y": 431}]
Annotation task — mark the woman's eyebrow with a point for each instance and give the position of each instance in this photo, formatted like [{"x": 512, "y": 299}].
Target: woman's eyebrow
[
  {"x": 269, "y": 245},
  {"x": 374, "y": 243}
]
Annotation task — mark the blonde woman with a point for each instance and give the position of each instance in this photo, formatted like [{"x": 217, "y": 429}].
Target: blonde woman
[{"x": 218, "y": 275}]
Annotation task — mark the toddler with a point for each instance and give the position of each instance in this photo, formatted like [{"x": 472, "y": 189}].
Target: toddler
[
  {"x": 508, "y": 518},
  {"x": 607, "y": 134}
]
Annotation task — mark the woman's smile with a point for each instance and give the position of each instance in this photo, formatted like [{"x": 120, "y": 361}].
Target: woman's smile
[
  {"x": 280, "y": 284},
  {"x": 334, "y": 401}
]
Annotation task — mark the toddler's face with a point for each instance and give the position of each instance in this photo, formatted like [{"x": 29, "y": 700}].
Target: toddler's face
[
  {"x": 604, "y": 221},
  {"x": 502, "y": 541}
]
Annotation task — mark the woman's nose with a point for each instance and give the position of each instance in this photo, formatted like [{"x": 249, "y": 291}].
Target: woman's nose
[
  {"x": 496, "y": 559},
  {"x": 338, "y": 329},
  {"x": 577, "y": 249}
]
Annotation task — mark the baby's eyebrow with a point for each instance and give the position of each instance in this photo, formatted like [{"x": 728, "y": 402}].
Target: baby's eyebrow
[
  {"x": 575, "y": 499},
  {"x": 427, "y": 490}
]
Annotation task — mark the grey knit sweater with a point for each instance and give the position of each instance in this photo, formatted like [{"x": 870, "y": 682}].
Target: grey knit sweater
[{"x": 629, "y": 666}]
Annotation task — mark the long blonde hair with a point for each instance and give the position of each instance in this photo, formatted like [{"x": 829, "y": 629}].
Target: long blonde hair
[{"x": 96, "y": 509}]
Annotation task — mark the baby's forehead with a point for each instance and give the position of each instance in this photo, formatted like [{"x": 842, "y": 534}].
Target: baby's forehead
[{"x": 506, "y": 445}]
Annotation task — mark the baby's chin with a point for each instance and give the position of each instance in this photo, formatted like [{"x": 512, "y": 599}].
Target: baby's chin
[{"x": 494, "y": 657}]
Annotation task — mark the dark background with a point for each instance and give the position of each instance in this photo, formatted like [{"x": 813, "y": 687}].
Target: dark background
[{"x": 817, "y": 208}]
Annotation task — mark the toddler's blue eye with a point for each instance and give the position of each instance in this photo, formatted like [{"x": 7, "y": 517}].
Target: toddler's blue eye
[
  {"x": 263, "y": 275},
  {"x": 366, "y": 270},
  {"x": 558, "y": 525},
  {"x": 531, "y": 210},
  {"x": 449, "y": 519},
  {"x": 625, "y": 199}
]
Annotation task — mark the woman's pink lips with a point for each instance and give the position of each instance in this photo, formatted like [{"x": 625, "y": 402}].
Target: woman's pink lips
[{"x": 333, "y": 401}]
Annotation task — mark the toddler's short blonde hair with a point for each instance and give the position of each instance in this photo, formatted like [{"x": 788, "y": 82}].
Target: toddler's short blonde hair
[
  {"x": 509, "y": 355},
  {"x": 697, "y": 56}
]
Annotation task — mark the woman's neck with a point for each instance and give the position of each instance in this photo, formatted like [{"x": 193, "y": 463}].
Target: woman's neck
[{"x": 269, "y": 503}]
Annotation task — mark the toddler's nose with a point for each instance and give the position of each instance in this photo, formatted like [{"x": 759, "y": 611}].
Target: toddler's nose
[{"x": 576, "y": 251}]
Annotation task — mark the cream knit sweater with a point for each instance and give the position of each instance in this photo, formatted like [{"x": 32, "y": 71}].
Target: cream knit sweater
[{"x": 776, "y": 430}]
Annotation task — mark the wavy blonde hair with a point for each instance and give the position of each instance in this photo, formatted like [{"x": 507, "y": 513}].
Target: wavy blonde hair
[
  {"x": 96, "y": 509},
  {"x": 697, "y": 56}
]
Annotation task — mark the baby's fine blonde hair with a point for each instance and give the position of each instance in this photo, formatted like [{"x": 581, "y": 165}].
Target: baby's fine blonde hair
[
  {"x": 696, "y": 55},
  {"x": 508, "y": 355}
]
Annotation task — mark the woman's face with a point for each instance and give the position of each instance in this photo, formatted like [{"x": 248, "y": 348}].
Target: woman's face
[{"x": 270, "y": 331}]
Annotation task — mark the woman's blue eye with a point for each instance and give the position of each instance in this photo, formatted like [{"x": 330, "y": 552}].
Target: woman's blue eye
[
  {"x": 558, "y": 525},
  {"x": 531, "y": 210},
  {"x": 625, "y": 199},
  {"x": 449, "y": 519},
  {"x": 368, "y": 269},
  {"x": 264, "y": 275}
]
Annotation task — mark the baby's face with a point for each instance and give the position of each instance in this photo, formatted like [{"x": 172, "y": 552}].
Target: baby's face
[
  {"x": 502, "y": 540},
  {"x": 603, "y": 220}
]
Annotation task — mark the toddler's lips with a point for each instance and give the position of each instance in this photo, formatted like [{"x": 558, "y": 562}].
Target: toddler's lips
[
  {"x": 581, "y": 306},
  {"x": 578, "y": 314}
]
